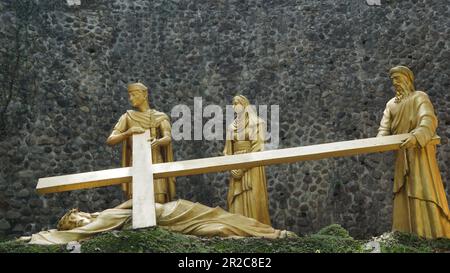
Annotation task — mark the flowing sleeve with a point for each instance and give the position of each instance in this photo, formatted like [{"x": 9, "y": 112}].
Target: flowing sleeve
[
  {"x": 258, "y": 143},
  {"x": 166, "y": 129},
  {"x": 385, "y": 124},
  {"x": 167, "y": 151},
  {"x": 228, "y": 149},
  {"x": 427, "y": 121},
  {"x": 121, "y": 125}
]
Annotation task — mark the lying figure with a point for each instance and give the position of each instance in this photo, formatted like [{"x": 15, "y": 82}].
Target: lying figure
[{"x": 179, "y": 216}]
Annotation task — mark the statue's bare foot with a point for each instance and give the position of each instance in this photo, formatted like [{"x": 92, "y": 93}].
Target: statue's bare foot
[
  {"x": 288, "y": 234},
  {"x": 24, "y": 239}
]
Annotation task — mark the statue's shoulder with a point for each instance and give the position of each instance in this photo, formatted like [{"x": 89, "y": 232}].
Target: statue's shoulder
[
  {"x": 390, "y": 102},
  {"x": 123, "y": 117},
  {"x": 129, "y": 113},
  {"x": 159, "y": 116},
  {"x": 420, "y": 96}
]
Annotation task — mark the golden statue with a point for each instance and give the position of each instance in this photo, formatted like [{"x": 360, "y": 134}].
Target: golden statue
[
  {"x": 247, "y": 194},
  {"x": 179, "y": 216},
  {"x": 136, "y": 122},
  {"x": 420, "y": 205}
]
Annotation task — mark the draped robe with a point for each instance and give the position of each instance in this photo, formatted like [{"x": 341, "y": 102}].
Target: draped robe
[
  {"x": 157, "y": 122},
  {"x": 179, "y": 216},
  {"x": 420, "y": 204},
  {"x": 248, "y": 195}
]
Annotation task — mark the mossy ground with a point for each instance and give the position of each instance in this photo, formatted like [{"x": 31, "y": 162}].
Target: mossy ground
[
  {"x": 331, "y": 239},
  {"x": 405, "y": 243}
]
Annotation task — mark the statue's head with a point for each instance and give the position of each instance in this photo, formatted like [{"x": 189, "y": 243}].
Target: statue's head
[
  {"x": 240, "y": 103},
  {"x": 242, "y": 107},
  {"x": 403, "y": 80},
  {"x": 73, "y": 219},
  {"x": 137, "y": 94}
]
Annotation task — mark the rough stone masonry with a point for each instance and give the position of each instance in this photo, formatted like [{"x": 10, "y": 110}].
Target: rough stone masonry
[{"x": 65, "y": 67}]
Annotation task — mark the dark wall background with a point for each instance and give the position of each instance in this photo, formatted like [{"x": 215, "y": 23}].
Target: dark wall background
[{"x": 64, "y": 71}]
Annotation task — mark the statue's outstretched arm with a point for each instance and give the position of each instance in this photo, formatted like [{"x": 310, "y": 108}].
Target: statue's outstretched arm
[{"x": 126, "y": 205}]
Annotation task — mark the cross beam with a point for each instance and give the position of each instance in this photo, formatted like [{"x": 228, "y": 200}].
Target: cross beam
[
  {"x": 140, "y": 174},
  {"x": 144, "y": 214},
  {"x": 222, "y": 163}
]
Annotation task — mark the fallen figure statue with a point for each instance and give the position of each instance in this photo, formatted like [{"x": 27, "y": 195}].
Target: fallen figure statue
[{"x": 179, "y": 216}]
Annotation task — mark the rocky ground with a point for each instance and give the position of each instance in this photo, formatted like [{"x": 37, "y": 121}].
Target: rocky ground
[{"x": 331, "y": 239}]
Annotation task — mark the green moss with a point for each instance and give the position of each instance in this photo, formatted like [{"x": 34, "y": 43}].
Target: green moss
[
  {"x": 4, "y": 238},
  {"x": 160, "y": 240},
  {"x": 145, "y": 240},
  {"x": 20, "y": 247},
  {"x": 407, "y": 243},
  {"x": 308, "y": 244},
  {"x": 331, "y": 239},
  {"x": 334, "y": 230}
]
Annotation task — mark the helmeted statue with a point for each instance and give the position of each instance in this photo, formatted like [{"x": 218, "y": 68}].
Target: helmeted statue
[{"x": 137, "y": 121}]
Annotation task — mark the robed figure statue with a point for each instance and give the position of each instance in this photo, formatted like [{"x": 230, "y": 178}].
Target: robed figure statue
[
  {"x": 420, "y": 204},
  {"x": 136, "y": 122}
]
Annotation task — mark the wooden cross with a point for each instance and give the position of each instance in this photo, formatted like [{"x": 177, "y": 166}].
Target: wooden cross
[{"x": 142, "y": 173}]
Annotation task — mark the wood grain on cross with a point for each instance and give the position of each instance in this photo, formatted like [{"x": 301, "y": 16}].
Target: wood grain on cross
[{"x": 142, "y": 173}]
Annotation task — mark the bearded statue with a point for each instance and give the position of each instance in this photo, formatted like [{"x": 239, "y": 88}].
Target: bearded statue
[{"x": 420, "y": 204}]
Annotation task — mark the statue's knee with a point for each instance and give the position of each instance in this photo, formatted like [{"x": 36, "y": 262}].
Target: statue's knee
[{"x": 223, "y": 230}]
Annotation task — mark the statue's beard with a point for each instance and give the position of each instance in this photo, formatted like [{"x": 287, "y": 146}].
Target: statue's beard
[{"x": 400, "y": 93}]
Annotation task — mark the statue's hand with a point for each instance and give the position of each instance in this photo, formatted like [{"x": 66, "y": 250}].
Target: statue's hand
[
  {"x": 410, "y": 142},
  {"x": 135, "y": 130},
  {"x": 95, "y": 214},
  {"x": 237, "y": 174},
  {"x": 155, "y": 143}
]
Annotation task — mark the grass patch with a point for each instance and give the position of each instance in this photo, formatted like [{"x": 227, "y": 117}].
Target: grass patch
[
  {"x": 400, "y": 242},
  {"x": 331, "y": 239},
  {"x": 20, "y": 247}
]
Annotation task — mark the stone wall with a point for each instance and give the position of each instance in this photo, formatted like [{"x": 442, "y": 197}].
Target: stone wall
[{"x": 325, "y": 63}]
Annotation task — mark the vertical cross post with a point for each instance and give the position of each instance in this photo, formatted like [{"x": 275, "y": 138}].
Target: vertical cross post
[{"x": 142, "y": 182}]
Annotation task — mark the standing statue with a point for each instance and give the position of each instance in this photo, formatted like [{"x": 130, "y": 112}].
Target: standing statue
[
  {"x": 247, "y": 194},
  {"x": 136, "y": 122},
  {"x": 420, "y": 205}
]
